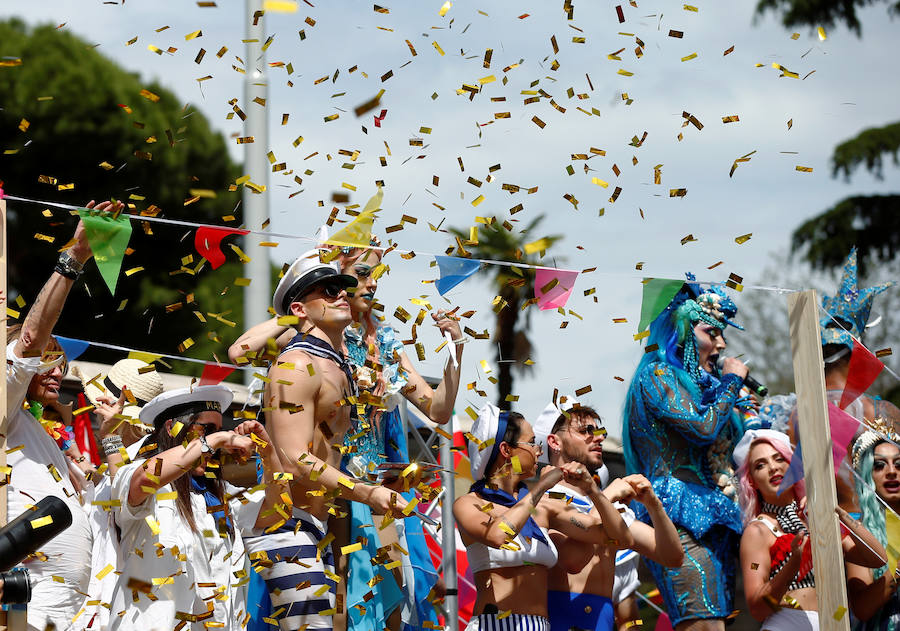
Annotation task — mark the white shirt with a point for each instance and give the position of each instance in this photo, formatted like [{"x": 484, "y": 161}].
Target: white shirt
[
  {"x": 206, "y": 570},
  {"x": 40, "y": 469}
]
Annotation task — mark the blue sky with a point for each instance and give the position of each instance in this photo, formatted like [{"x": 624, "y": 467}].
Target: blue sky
[{"x": 850, "y": 89}]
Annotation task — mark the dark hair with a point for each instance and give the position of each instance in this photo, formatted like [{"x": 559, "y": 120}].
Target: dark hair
[
  {"x": 513, "y": 428},
  {"x": 582, "y": 411},
  {"x": 182, "y": 484}
]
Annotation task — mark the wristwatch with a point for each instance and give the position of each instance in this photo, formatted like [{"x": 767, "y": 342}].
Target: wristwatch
[
  {"x": 204, "y": 446},
  {"x": 69, "y": 266}
]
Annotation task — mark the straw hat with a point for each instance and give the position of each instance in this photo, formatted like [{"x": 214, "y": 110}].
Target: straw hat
[{"x": 125, "y": 372}]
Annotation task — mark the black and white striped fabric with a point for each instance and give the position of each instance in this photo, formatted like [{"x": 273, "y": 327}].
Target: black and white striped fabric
[
  {"x": 297, "y": 569},
  {"x": 511, "y": 622},
  {"x": 787, "y": 517}
]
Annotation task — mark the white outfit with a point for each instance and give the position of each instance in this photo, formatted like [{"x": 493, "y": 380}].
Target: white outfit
[
  {"x": 105, "y": 553},
  {"x": 791, "y": 620},
  {"x": 191, "y": 573},
  {"x": 536, "y": 552},
  {"x": 40, "y": 469}
]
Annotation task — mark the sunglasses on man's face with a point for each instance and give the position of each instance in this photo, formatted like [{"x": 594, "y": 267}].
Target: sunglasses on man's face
[{"x": 330, "y": 291}]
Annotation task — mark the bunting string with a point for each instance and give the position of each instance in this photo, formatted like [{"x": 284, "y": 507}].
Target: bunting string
[{"x": 281, "y": 235}]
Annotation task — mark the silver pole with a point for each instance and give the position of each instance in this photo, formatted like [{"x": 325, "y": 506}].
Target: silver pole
[
  {"x": 258, "y": 294},
  {"x": 448, "y": 530}
]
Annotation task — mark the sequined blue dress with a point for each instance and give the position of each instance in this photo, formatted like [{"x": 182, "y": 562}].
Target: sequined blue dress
[
  {"x": 680, "y": 436},
  {"x": 384, "y": 441}
]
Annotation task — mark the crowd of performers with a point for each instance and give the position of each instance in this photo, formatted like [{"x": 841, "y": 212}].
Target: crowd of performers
[{"x": 329, "y": 537}]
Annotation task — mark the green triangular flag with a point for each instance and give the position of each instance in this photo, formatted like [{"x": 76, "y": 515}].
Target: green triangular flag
[
  {"x": 658, "y": 293},
  {"x": 108, "y": 239}
]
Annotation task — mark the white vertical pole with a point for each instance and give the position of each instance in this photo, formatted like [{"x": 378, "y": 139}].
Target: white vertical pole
[
  {"x": 818, "y": 465},
  {"x": 448, "y": 530},
  {"x": 258, "y": 294}
]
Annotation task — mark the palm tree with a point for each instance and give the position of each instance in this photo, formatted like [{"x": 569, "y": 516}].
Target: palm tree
[{"x": 515, "y": 292}]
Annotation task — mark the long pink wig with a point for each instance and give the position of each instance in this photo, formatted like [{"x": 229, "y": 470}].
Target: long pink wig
[{"x": 748, "y": 495}]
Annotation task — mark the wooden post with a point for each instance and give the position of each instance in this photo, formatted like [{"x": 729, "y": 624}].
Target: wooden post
[{"x": 818, "y": 467}]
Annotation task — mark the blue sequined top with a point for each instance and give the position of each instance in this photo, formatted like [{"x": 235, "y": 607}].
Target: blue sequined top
[
  {"x": 682, "y": 437},
  {"x": 365, "y": 440}
]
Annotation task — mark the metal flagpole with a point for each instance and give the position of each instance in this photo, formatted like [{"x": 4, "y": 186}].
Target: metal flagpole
[
  {"x": 448, "y": 530},
  {"x": 258, "y": 294}
]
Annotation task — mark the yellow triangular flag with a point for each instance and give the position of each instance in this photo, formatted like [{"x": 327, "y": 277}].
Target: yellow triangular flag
[
  {"x": 358, "y": 233},
  {"x": 892, "y": 529}
]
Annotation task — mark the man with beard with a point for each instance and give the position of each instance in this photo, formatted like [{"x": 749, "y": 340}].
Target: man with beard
[{"x": 581, "y": 584}]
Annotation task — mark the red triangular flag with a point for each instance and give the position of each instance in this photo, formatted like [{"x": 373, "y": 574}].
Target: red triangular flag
[
  {"x": 208, "y": 242},
  {"x": 214, "y": 374},
  {"x": 864, "y": 368}
]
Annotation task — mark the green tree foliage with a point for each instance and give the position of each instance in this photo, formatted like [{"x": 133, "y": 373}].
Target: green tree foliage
[
  {"x": 69, "y": 115},
  {"x": 515, "y": 288},
  {"x": 821, "y": 12}
]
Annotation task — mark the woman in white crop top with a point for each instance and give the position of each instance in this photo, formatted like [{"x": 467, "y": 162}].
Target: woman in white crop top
[{"x": 509, "y": 550}]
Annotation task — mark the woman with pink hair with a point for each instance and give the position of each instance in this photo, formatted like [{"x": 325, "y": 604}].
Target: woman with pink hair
[{"x": 776, "y": 558}]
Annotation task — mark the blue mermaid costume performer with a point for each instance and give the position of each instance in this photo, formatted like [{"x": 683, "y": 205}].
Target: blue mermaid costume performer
[
  {"x": 369, "y": 442},
  {"x": 680, "y": 428}
]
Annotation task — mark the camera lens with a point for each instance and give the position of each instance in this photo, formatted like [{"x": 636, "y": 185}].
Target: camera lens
[{"x": 16, "y": 586}]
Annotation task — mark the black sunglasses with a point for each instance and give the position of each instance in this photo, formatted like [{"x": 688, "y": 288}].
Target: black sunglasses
[{"x": 330, "y": 290}]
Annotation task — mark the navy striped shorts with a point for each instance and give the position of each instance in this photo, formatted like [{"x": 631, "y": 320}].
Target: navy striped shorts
[
  {"x": 297, "y": 569},
  {"x": 512, "y": 622}
]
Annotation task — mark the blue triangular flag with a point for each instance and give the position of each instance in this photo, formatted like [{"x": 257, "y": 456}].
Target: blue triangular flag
[
  {"x": 72, "y": 348},
  {"x": 794, "y": 473},
  {"x": 454, "y": 270}
]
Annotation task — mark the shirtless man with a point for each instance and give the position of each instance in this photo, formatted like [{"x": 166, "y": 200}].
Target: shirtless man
[
  {"x": 308, "y": 402},
  {"x": 582, "y": 598}
]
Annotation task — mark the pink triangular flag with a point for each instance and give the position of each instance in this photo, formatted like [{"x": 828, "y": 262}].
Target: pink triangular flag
[
  {"x": 552, "y": 287},
  {"x": 843, "y": 426}
]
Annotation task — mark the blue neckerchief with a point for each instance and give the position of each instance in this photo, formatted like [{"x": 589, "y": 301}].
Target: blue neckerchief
[
  {"x": 211, "y": 500},
  {"x": 496, "y": 496},
  {"x": 502, "y": 422}
]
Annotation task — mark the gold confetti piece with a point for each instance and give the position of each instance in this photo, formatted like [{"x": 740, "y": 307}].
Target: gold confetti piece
[
  {"x": 154, "y": 525},
  {"x": 280, "y": 6},
  {"x": 733, "y": 118},
  {"x": 687, "y": 239},
  {"x": 346, "y": 482},
  {"x": 804, "y": 169},
  {"x": 840, "y": 611},
  {"x": 728, "y": 51},
  {"x": 688, "y": 7},
  {"x": 438, "y": 48},
  {"x": 444, "y": 8},
  {"x": 504, "y": 614},
  {"x": 689, "y": 57},
  {"x": 884, "y": 352},
  {"x": 537, "y": 121},
  {"x": 478, "y": 200},
  {"x": 353, "y": 547},
  {"x": 677, "y": 192},
  {"x": 102, "y": 573},
  {"x": 625, "y": 73},
  {"x": 537, "y": 246},
  {"x": 582, "y": 391},
  {"x": 641, "y": 335},
  {"x": 822, "y": 36},
  {"x": 42, "y": 521},
  {"x": 599, "y": 182},
  {"x": 516, "y": 465},
  {"x": 193, "y": 35},
  {"x": 743, "y": 238},
  {"x": 678, "y": 34},
  {"x": 150, "y": 96}
]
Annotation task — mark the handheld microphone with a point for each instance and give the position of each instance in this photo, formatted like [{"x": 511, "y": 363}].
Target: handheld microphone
[{"x": 752, "y": 384}]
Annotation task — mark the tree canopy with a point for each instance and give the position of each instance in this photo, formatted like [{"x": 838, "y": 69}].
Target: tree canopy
[
  {"x": 75, "y": 126},
  {"x": 821, "y": 12}
]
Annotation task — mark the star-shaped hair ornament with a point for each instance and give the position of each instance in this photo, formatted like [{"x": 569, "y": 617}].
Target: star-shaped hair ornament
[{"x": 848, "y": 310}]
